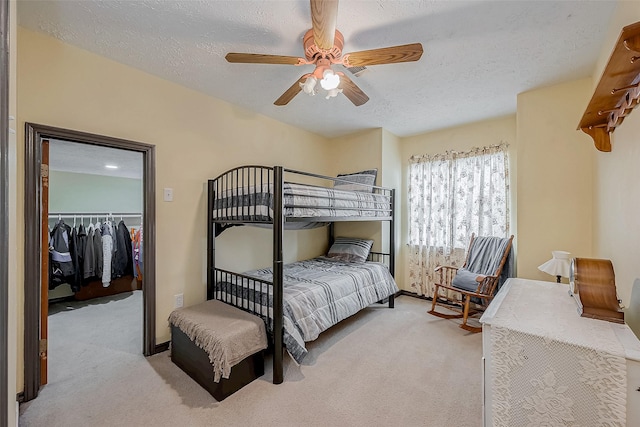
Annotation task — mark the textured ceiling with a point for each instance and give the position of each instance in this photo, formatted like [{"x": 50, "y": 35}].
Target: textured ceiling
[{"x": 478, "y": 55}]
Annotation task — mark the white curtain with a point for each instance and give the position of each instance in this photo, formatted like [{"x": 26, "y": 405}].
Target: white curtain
[{"x": 451, "y": 196}]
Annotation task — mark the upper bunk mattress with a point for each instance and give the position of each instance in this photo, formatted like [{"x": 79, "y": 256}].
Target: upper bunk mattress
[{"x": 255, "y": 203}]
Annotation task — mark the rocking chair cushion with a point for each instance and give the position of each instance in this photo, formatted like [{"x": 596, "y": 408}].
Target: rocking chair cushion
[{"x": 466, "y": 280}]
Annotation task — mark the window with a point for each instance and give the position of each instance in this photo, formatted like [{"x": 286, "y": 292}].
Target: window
[{"x": 451, "y": 196}]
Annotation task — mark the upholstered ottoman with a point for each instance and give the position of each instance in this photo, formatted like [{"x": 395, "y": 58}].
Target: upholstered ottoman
[{"x": 219, "y": 346}]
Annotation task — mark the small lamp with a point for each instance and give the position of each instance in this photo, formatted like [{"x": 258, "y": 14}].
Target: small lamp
[{"x": 558, "y": 265}]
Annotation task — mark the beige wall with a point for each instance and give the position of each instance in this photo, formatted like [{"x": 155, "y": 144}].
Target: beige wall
[
  {"x": 555, "y": 177},
  {"x": 380, "y": 149},
  {"x": 358, "y": 151},
  {"x": 196, "y": 137},
  {"x": 460, "y": 138},
  {"x": 353, "y": 153},
  {"x": 617, "y": 181},
  {"x": 14, "y": 274},
  {"x": 392, "y": 178}
]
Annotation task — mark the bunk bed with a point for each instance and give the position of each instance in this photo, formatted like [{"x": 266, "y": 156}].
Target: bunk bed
[{"x": 260, "y": 196}]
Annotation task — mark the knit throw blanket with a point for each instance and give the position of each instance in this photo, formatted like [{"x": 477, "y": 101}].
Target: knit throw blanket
[
  {"x": 228, "y": 335},
  {"x": 485, "y": 256}
]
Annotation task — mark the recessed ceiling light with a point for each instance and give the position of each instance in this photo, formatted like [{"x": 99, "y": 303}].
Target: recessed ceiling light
[{"x": 111, "y": 166}]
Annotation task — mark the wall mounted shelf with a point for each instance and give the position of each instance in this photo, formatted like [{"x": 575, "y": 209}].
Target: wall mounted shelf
[{"x": 618, "y": 90}]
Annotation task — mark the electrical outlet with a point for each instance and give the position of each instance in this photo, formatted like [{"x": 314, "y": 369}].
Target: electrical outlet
[{"x": 179, "y": 300}]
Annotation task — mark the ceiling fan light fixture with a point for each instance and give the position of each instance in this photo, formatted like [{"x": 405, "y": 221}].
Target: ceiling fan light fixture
[
  {"x": 332, "y": 93},
  {"x": 323, "y": 47},
  {"x": 309, "y": 86},
  {"x": 330, "y": 80}
]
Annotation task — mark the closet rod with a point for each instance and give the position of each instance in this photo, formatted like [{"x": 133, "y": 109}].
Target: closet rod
[{"x": 99, "y": 214}]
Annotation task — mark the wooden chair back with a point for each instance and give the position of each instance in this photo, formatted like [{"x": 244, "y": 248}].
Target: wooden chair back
[{"x": 485, "y": 289}]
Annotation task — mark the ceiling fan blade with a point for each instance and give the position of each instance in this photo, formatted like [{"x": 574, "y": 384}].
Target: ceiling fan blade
[
  {"x": 352, "y": 91},
  {"x": 324, "y": 14},
  {"x": 385, "y": 55},
  {"x": 291, "y": 92},
  {"x": 258, "y": 58}
]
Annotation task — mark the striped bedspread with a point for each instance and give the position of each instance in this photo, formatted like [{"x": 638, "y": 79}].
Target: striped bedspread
[
  {"x": 300, "y": 201},
  {"x": 318, "y": 293}
]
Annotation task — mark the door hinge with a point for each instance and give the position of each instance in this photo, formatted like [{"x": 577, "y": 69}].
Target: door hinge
[
  {"x": 43, "y": 348},
  {"x": 44, "y": 175}
]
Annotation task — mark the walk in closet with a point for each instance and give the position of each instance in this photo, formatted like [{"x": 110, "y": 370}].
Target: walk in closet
[
  {"x": 94, "y": 221},
  {"x": 94, "y": 216}
]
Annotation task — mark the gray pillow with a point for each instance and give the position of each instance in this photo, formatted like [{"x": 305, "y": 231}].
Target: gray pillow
[
  {"x": 350, "y": 249},
  {"x": 358, "y": 181},
  {"x": 465, "y": 279}
]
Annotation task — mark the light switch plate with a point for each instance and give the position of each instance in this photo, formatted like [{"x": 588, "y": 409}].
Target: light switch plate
[{"x": 168, "y": 194}]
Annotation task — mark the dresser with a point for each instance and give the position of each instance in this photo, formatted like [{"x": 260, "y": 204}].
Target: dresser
[{"x": 544, "y": 365}]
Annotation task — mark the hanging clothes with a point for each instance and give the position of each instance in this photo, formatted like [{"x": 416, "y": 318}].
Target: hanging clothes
[
  {"x": 97, "y": 248},
  {"x": 137, "y": 247},
  {"x": 107, "y": 252},
  {"x": 75, "y": 259},
  {"x": 82, "y": 255},
  {"x": 82, "y": 247},
  {"x": 61, "y": 269},
  {"x": 122, "y": 257},
  {"x": 89, "y": 265}
]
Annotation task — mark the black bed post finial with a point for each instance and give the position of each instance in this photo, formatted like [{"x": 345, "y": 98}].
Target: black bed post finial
[{"x": 278, "y": 226}]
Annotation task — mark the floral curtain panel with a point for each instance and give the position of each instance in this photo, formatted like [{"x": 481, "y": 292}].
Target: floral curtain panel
[{"x": 451, "y": 196}]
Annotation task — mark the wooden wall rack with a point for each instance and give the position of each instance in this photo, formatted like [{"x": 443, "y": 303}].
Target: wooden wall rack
[{"x": 618, "y": 90}]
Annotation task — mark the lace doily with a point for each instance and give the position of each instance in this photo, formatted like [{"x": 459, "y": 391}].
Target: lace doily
[{"x": 552, "y": 367}]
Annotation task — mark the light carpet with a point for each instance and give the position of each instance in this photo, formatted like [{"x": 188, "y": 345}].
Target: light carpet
[{"x": 381, "y": 367}]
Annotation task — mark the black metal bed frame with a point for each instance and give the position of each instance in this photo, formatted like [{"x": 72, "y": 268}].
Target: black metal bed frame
[{"x": 245, "y": 178}]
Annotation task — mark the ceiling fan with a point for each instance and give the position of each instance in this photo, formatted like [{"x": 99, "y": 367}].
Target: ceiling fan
[{"x": 323, "y": 45}]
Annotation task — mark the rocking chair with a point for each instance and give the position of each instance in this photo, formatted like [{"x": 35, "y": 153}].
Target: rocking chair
[{"x": 478, "y": 279}]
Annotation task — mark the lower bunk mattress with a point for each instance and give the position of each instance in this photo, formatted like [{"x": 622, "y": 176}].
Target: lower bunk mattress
[{"x": 317, "y": 294}]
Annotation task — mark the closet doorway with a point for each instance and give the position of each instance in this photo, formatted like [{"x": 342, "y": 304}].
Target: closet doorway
[
  {"x": 4, "y": 211},
  {"x": 58, "y": 156}
]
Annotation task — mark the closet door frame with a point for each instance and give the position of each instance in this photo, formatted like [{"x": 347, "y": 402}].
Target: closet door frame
[
  {"x": 34, "y": 134},
  {"x": 4, "y": 212}
]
